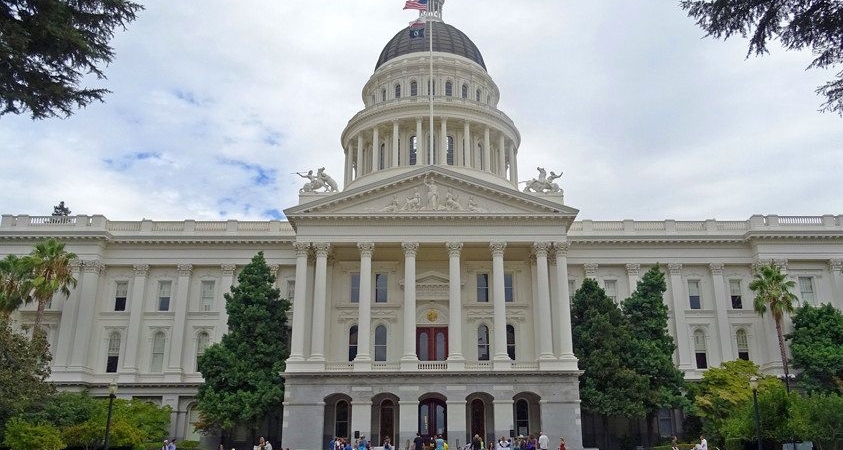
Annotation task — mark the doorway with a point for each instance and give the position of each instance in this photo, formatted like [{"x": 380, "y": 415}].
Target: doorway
[
  {"x": 433, "y": 419},
  {"x": 432, "y": 343}
]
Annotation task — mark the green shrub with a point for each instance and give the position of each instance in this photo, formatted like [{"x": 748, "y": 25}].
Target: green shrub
[
  {"x": 668, "y": 447},
  {"x": 149, "y": 446},
  {"x": 187, "y": 445},
  {"x": 735, "y": 444},
  {"x": 22, "y": 435}
]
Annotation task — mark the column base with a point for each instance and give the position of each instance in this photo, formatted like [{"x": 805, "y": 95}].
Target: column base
[
  {"x": 409, "y": 365},
  {"x": 304, "y": 366},
  {"x": 362, "y": 365},
  {"x": 128, "y": 375},
  {"x": 456, "y": 364}
]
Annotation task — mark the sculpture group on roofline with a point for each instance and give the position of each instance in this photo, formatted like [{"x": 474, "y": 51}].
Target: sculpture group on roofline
[
  {"x": 543, "y": 184},
  {"x": 321, "y": 180}
]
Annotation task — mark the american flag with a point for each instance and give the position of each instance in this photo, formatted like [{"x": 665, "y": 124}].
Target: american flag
[{"x": 420, "y": 5}]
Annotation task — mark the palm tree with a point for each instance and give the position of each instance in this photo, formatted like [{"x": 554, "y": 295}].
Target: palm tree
[
  {"x": 772, "y": 290},
  {"x": 51, "y": 273},
  {"x": 15, "y": 283}
]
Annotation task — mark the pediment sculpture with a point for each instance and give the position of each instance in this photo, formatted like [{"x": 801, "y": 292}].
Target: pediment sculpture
[
  {"x": 432, "y": 201},
  {"x": 543, "y": 184},
  {"x": 321, "y": 180}
]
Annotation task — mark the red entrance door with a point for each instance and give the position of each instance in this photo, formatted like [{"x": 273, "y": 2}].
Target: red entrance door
[
  {"x": 432, "y": 343},
  {"x": 433, "y": 419}
]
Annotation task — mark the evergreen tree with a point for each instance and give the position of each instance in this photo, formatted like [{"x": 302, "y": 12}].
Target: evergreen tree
[
  {"x": 816, "y": 345},
  {"x": 609, "y": 385},
  {"x": 653, "y": 346},
  {"x": 243, "y": 372},
  {"x": 24, "y": 369}
]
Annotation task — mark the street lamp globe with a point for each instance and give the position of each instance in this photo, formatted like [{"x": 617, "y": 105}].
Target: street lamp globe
[{"x": 753, "y": 383}]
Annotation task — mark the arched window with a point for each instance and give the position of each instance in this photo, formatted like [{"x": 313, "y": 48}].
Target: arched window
[
  {"x": 742, "y": 344},
  {"x": 465, "y": 91},
  {"x": 522, "y": 417},
  {"x": 414, "y": 88},
  {"x": 342, "y": 419},
  {"x": 450, "y": 157},
  {"x": 477, "y": 95},
  {"x": 159, "y": 341},
  {"x": 510, "y": 341},
  {"x": 449, "y": 88},
  {"x": 352, "y": 343},
  {"x": 397, "y": 91},
  {"x": 203, "y": 340},
  {"x": 113, "y": 356},
  {"x": 414, "y": 150},
  {"x": 382, "y": 157},
  {"x": 483, "y": 343},
  {"x": 383, "y": 95},
  {"x": 699, "y": 349},
  {"x": 380, "y": 343}
]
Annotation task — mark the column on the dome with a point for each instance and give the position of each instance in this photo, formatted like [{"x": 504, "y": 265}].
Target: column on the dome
[
  {"x": 395, "y": 145},
  {"x": 443, "y": 147},
  {"x": 178, "y": 334},
  {"x": 320, "y": 291},
  {"x": 466, "y": 146},
  {"x": 410, "y": 251},
  {"x": 510, "y": 153},
  {"x": 678, "y": 309},
  {"x": 502, "y": 155},
  {"x": 376, "y": 149},
  {"x": 420, "y": 159},
  {"x": 514, "y": 164},
  {"x": 299, "y": 302},
  {"x": 454, "y": 303},
  {"x": 348, "y": 164},
  {"x": 360, "y": 164},
  {"x": 722, "y": 310},
  {"x": 566, "y": 351},
  {"x": 135, "y": 319},
  {"x": 364, "y": 315},
  {"x": 487, "y": 150},
  {"x": 498, "y": 295},
  {"x": 543, "y": 300}
]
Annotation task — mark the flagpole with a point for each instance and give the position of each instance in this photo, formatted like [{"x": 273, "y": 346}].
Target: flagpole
[{"x": 430, "y": 84}]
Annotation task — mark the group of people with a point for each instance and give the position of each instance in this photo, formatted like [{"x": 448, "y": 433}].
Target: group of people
[
  {"x": 703, "y": 445},
  {"x": 531, "y": 442},
  {"x": 361, "y": 443}
]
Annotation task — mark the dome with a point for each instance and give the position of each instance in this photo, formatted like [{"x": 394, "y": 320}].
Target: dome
[{"x": 446, "y": 39}]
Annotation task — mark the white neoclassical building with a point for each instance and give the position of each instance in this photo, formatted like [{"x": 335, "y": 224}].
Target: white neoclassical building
[{"x": 430, "y": 294}]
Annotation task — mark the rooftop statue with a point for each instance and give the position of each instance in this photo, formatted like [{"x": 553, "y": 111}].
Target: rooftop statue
[
  {"x": 543, "y": 184},
  {"x": 321, "y": 180}
]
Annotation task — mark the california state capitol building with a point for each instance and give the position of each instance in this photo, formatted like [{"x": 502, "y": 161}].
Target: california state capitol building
[{"x": 430, "y": 285}]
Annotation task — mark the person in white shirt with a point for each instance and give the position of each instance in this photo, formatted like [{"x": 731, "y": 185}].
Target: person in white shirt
[
  {"x": 544, "y": 441},
  {"x": 703, "y": 443}
]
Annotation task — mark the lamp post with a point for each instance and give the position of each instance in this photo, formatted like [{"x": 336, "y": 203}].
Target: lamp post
[
  {"x": 112, "y": 393},
  {"x": 753, "y": 384}
]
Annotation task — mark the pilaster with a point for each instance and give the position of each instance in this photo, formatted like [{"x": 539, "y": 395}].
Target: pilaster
[
  {"x": 633, "y": 273},
  {"x": 681, "y": 325},
  {"x": 566, "y": 350},
  {"x": 227, "y": 272},
  {"x": 91, "y": 271},
  {"x": 724, "y": 331},
  {"x": 133, "y": 338}
]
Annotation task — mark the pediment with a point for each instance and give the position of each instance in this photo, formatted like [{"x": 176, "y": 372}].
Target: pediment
[{"x": 432, "y": 191}]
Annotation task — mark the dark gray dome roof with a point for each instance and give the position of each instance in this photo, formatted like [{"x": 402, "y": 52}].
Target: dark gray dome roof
[{"x": 446, "y": 39}]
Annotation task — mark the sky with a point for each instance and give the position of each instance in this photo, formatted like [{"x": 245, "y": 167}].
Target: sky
[{"x": 215, "y": 104}]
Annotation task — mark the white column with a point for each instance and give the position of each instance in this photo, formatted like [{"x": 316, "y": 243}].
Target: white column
[
  {"x": 320, "y": 298},
  {"x": 499, "y": 301},
  {"x": 513, "y": 174},
  {"x": 420, "y": 153},
  {"x": 566, "y": 352},
  {"x": 133, "y": 339},
  {"x": 514, "y": 162},
  {"x": 410, "y": 251},
  {"x": 376, "y": 149},
  {"x": 633, "y": 273},
  {"x": 67, "y": 323},
  {"x": 180, "y": 321},
  {"x": 443, "y": 147},
  {"x": 227, "y": 282},
  {"x": 835, "y": 266},
  {"x": 299, "y": 303},
  {"x": 360, "y": 164},
  {"x": 91, "y": 271},
  {"x": 454, "y": 304},
  {"x": 364, "y": 325},
  {"x": 727, "y": 353},
  {"x": 395, "y": 144},
  {"x": 348, "y": 164},
  {"x": 501, "y": 155},
  {"x": 466, "y": 145},
  {"x": 679, "y": 298},
  {"x": 543, "y": 301},
  {"x": 487, "y": 151}
]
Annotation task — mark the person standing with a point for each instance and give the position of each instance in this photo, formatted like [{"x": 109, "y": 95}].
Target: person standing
[
  {"x": 562, "y": 444},
  {"x": 418, "y": 442},
  {"x": 440, "y": 443},
  {"x": 703, "y": 443},
  {"x": 544, "y": 441},
  {"x": 263, "y": 444}
]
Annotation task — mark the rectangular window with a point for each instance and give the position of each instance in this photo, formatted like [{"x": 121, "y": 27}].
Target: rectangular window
[
  {"x": 111, "y": 364},
  {"x": 120, "y": 293},
  {"x": 482, "y": 287},
  {"x": 207, "y": 295},
  {"x": 164, "y": 288},
  {"x": 381, "y": 287},
  {"x": 694, "y": 294},
  {"x": 665, "y": 423},
  {"x": 355, "y": 288},
  {"x": 806, "y": 290},
  {"x": 735, "y": 293},
  {"x": 611, "y": 288},
  {"x": 572, "y": 289},
  {"x": 508, "y": 289}
]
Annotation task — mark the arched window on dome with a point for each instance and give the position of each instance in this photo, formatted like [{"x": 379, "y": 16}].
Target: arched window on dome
[
  {"x": 477, "y": 95},
  {"x": 352, "y": 343},
  {"x": 383, "y": 95},
  {"x": 465, "y": 91},
  {"x": 414, "y": 88},
  {"x": 380, "y": 343},
  {"x": 482, "y": 343},
  {"x": 414, "y": 150},
  {"x": 397, "y": 91},
  {"x": 382, "y": 157},
  {"x": 449, "y": 88},
  {"x": 450, "y": 157}
]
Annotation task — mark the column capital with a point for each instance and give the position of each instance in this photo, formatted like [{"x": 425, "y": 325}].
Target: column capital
[
  {"x": 92, "y": 266},
  {"x": 454, "y": 248},
  {"x": 675, "y": 268},
  {"x": 541, "y": 248},
  {"x": 322, "y": 248},
  {"x": 75, "y": 264},
  {"x": 273, "y": 268},
  {"x": 228, "y": 269},
  {"x": 836, "y": 265},
  {"x": 366, "y": 248},
  {"x": 633, "y": 269},
  {"x": 185, "y": 269},
  {"x": 141, "y": 270},
  {"x": 561, "y": 248},
  {"x": 781, "y": 263},
  {"x": 590, "y": 270},
  {"x": 497, "y": 248},
  {"x": 301, "y": 248},
  {"x": 410, "y": 248},
  {"x": 716, "y": 268}
]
